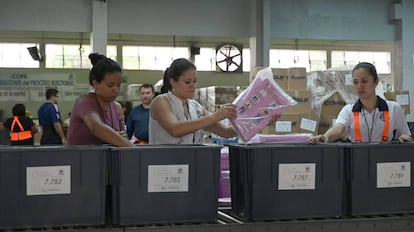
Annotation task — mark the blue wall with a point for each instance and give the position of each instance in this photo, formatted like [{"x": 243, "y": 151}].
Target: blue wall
[{"x": 324, "y": 19}]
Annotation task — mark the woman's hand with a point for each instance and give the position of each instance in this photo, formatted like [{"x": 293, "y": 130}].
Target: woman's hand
[
  {"x": 405, "y": 138},
  {"x": 318, "y": 139},
  {"x": 227, "y": 111},
  {"x": 123, "y": 134}
]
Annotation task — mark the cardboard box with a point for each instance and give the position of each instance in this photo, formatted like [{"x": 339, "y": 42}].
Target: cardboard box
[
  {"x": 401, "y": 97},
  {"x": 213, "y": 96},
  {"x": 286, "y": 124},
  {"x": 333, "y": 105},
  {"x": 309, "y": 123},
  {"x": 297, "y": 79},
  {"x": 326, "y": 121},
  {"x": 280, "y": 75},
  {"x": 304, "y": 98}
]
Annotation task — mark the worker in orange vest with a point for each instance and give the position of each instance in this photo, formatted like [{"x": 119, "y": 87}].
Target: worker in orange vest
[
  {"x": 21, "y": 128},
  {"x": 370, "y": 119}
]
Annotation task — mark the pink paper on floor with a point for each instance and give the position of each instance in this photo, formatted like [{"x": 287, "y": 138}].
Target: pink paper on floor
[{"x": 256, "y": 106}]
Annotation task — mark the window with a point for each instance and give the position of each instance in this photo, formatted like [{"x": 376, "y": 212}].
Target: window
[
  {"x": 151, "y": 58},
  {"x": 16, "y": 55},
  {"x": 72, "y": 56},
  {"x": 246, "y": 59},
  {"x": 312, "y": 60},
  {"x": 381, "y": 60},
  {"x": 206, "y": 60}
]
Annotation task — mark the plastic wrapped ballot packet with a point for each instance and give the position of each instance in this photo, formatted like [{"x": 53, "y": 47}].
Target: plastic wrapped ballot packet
[
  {"x": 257, "y": 104},
  {"x": 288, "y": 138}
]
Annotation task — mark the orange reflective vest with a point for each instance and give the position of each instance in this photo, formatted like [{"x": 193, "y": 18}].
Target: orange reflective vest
[
  {"x": 138, "y": 141},
  {"x": 22, "y": 134},
  {"x": 382, "y": 106}
]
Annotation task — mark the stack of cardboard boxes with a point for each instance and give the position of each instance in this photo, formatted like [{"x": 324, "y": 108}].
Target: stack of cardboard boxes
[
  {"x": 329, "y": 112},
  {"x": 214, "y": 96},
  {"x": 297, "y": 118},
  {"x": 401, "y": 97}
]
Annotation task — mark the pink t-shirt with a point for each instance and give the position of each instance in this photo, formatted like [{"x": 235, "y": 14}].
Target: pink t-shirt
[{"x": 79, "y": 133}]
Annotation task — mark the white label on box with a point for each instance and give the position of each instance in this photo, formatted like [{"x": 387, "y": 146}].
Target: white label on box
[
  {"x": 403, "y": 99},
  {"x": 168, "y": 178},
  {"x": 308, "y": 124},
  {"x": 48, "y": 180},
  {"x": 393, "y": 174},
  {"x": 297, "y": 176},
  {"x": 348, "y": 79},
  {"x": 283, "y": 126}
]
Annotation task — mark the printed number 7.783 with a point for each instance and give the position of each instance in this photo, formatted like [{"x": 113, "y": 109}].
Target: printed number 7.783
[{"x": 53, "y": 181}]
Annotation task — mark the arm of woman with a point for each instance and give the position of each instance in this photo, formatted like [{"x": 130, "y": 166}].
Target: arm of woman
[
  {"x": 334, "y": 133},
  {"x": 162, "y": 111},
  {"x": 121, "y": 118},
  {"x": 405, "y": 138},
  {"x": 219, "y": 129},
  {"x": 104, "y": 132},
  {"x": 34, "y": 129}
]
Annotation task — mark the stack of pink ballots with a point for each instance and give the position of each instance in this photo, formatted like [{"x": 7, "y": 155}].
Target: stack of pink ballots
[
  {"x": 256, "y": 106},
  {"x": 288, "y": 138},
  {"x": 224, "y": 188}
]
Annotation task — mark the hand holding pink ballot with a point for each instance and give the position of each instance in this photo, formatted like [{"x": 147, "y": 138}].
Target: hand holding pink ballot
[{"x": 261, "y": 102}]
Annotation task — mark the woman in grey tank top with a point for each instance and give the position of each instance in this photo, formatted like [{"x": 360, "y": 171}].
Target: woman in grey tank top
[{"x": 175, "y": 118}]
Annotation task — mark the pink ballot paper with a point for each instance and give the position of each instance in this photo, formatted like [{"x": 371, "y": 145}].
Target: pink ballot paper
[
  {"x": 288, "y": 138},
  {"x": 256, "y": 105}
]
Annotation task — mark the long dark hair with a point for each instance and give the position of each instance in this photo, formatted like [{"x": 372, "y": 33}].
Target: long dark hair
[
  {"x": 176, "y": 69},
  {"x": 101, "y": 66}
]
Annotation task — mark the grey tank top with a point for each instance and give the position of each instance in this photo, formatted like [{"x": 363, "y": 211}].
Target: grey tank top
[{"x": 158, "y": 135}]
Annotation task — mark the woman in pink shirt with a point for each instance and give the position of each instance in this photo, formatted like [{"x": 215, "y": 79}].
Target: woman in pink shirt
[{"x": 96, "y": 118}]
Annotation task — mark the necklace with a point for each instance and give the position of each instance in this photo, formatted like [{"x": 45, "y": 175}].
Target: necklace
[
  {"x": 187, "y": 115},
  {"x": 372, "y": 125}
]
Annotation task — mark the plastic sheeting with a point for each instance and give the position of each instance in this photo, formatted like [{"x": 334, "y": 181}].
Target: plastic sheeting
[{"x": 323, "y": 84}]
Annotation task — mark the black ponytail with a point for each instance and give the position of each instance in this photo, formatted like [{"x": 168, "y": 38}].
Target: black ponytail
[{"x": 101, "y": 66}]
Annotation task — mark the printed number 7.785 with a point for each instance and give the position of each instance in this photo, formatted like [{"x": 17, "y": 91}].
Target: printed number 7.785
[{"x": 172, "y": 179}]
